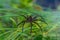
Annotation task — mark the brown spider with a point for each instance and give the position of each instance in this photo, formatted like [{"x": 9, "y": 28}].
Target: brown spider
[{"x": 32, "y": 19}]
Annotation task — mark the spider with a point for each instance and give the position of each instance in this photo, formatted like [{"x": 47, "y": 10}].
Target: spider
[{"x": 31, "y": 19}]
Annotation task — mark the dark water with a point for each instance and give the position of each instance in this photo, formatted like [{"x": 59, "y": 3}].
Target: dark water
[{"x": 48, "y": 3}]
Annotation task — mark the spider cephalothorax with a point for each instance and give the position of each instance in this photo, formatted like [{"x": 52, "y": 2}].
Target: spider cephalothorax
[
  {"x": 32, "y": 19},
  {"x": 29, "y": 19}
]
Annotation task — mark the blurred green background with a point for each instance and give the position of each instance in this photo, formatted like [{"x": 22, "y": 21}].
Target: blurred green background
[{"x": 13, "y": 12}]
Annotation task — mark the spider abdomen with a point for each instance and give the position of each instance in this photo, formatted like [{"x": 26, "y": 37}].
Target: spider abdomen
[{"x": 29, "y": 19}]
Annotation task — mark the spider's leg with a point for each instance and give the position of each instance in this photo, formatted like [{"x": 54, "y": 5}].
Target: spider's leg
[
  {"x": 35, "y": 17},
  {"x": 23, "y": 27},
  {"x": 20, "y": 23},
  {"x": 38, "y": 25},
  {"x": 41, "y": 20},
  {"x": 31, "y": 27},
  {"x": 23, "y": 16}
]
